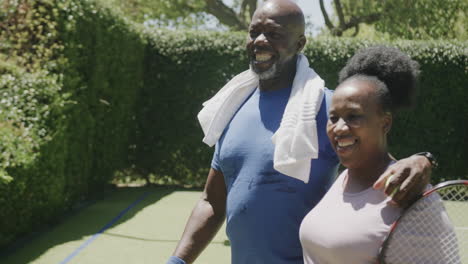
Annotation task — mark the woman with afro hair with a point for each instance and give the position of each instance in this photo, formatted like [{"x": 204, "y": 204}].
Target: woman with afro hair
[{"x": 350, "y": 222}]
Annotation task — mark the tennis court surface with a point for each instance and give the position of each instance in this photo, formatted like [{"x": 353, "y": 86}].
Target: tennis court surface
[{"x": 131, "y": 225}]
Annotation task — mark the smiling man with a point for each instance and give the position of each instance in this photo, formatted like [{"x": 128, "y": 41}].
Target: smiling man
[
  {"x": 273, "y": 161},
  {"x": 276, "y": 35}
]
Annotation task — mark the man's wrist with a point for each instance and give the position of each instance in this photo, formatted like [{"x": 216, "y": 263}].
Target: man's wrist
[
  {"x": 431, "y": 158},
  {"x": 175, "y": 260}
]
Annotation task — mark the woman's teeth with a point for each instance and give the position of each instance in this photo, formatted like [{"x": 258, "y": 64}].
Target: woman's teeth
[{"x": 345, "y": 144}]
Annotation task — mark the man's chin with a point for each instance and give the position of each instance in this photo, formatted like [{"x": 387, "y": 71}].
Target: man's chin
[{"x": 270, "y": 73}]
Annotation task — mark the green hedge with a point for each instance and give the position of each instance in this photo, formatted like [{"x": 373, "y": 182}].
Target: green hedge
[
  {"x": 124, "y": 100},
  {"x": 197, "y": 64},
  {"x": 32, "y": 119},
  {"x": 77, "y": 101},
  {"x": 32, "y": 183},
  {"x": 104, "y": 75}
]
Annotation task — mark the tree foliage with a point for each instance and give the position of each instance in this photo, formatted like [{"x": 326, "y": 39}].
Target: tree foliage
[
  {"x": 28, "y": 33},
  {"x": 416, "y": 19},
  {"x": 30, "y": 58},
  {"x": 190, "y": 13}
]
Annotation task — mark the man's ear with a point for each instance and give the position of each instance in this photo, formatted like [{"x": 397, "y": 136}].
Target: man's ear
[
  {"x": 387, "y": 122},
  {"x": 301, "y": 43}
]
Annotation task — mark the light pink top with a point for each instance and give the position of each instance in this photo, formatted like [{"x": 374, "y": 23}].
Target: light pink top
[{"x": 347, "y": 227}]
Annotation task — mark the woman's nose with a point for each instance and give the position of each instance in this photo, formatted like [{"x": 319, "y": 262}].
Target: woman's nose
[{"x": 341, "y": 126}]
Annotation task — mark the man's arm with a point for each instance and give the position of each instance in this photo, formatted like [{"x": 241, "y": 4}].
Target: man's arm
[
  {"x": 206, "y": 219},
  {"x": 410, "y": 176}
]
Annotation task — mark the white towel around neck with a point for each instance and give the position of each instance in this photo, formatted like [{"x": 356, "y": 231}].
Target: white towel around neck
[{"x": 296, "y": 140}]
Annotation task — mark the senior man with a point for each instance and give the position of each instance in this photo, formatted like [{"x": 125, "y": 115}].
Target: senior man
[{"x": 273, "y": 161}]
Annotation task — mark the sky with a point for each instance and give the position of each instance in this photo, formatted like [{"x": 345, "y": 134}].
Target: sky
[{"x": 311, "y": 9}]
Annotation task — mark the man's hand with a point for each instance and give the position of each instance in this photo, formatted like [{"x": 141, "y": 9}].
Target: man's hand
[{"x": 405, "y": 180}]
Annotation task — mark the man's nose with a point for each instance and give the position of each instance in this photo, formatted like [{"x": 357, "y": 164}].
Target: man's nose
[{"x": 261, "y": 39}]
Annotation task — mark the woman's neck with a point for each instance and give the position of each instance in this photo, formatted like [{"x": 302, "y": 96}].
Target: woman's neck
[{"x": 360, "y": 179}]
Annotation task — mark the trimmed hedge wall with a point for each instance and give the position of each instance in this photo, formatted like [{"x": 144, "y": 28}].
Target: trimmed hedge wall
[
  {"x": 94, "y": 78},
  {"x": 127, "y": 99},
  {"x": 103, "y": 74},
  {"x": 197, "y": 64}
]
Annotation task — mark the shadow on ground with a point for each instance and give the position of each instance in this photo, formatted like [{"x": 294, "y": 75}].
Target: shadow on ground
[{"x": 89, "y": 221}]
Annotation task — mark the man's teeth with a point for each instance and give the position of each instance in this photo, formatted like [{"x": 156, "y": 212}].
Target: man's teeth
[
  {"x": 345, "y": 144},
  {"x": 262, "y": 57}
]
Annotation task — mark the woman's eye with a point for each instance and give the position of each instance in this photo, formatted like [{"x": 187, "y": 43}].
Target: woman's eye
[
  {"x": 333, "y": 119},
  {"x": 354, "y": 119}
]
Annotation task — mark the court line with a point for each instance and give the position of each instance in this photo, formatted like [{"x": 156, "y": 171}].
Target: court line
[{"x": 109, "y": 224}]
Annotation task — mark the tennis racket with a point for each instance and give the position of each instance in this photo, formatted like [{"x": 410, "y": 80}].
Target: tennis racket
[{"x": 433, "y": 230}]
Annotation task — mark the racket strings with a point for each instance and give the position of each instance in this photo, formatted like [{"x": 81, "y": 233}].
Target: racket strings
[
  {"x": 434, "y": 230},
  {"x": 456, "y": 200}
]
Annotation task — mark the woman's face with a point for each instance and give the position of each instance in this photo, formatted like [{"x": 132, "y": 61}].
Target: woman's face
[{"x": 357, "y": 126}]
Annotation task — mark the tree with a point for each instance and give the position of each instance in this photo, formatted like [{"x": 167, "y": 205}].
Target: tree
[
  {"x": 189, "y": 12},
  {"x": 415, "y": 19}
]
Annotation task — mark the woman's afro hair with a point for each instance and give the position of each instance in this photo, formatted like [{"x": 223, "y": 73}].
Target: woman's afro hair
[{"x": 395, "y": 69}]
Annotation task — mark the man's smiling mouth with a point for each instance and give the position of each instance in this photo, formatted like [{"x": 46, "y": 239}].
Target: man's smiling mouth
[{"x": 263, "y": 57}]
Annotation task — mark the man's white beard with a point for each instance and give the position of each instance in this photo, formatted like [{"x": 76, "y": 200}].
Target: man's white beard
[{"x": 266, "y": 75}]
